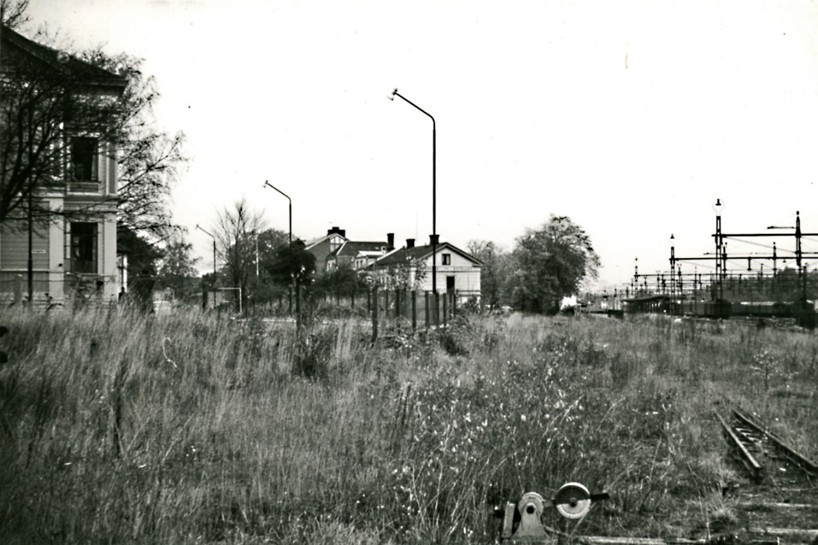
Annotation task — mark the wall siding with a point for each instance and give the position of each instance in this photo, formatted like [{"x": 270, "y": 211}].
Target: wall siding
[{"x": 14, "y": 246}]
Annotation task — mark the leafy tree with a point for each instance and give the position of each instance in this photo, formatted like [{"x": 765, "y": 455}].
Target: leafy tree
[
  {"x": 493, "y": 272},
  {"x": 143, "y": 258},
  {"x": 177, "y": 270},
  {"x": 292, "y": 263},
  {"x": 269, "y": 241},
  {"x": 549, "y": 264},
  {"x": 261, "y": 288},
  {"x": 343, "y": 281}
]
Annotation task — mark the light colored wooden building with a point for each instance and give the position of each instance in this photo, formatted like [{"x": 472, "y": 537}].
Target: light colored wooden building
[
  {"x": 73, "y": 246},
  {"x": 457, "y": 271}
]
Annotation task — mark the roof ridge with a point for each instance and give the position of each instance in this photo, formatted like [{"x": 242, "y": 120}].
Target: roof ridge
[{"x": 62, "y": 60}]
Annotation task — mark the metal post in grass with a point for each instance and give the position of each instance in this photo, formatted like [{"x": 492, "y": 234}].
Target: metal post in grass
[
  {"x": 374, "y": 296},
  {"x": 426, "y": 307},
  {"x": 414, "y": 312}
]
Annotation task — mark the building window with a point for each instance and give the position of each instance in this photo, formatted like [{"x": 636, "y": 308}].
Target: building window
[
  {"x": 447, "y": 259},
  {"x": 84, "y": 248},
  {"x": 84, "y": 153}
]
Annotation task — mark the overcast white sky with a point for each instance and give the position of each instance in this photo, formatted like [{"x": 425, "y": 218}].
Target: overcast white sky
[{"x": 631, "y": 117}]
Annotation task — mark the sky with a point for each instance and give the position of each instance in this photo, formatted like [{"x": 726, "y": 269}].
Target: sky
[{"x": 630, "y": 117}]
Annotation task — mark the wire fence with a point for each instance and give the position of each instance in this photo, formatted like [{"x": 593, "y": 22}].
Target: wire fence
[{"x": 381, "y": 309}]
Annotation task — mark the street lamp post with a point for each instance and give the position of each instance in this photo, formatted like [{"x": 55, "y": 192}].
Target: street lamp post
[
  {"x": 290, "y": 201},
  {"x": 394, "y": 94},
  {"x": 268, "y": 184},
  {"x": 199, "y": 227}
]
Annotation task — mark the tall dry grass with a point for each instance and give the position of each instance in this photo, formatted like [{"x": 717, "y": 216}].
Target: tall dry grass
[{"x": 194, "y": 428}]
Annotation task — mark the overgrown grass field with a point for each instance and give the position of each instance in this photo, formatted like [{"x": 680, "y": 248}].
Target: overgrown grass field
[{"x": 193, "y": 428}]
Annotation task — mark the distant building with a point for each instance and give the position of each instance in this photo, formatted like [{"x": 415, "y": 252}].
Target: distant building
[
  {"x": 75, "y": 245},
  {"x": 458, "y": 272},
  {"x": 359, "y": 255},
  {"x": 322, "y": 247},
  {"x": 335, "y": 250}
]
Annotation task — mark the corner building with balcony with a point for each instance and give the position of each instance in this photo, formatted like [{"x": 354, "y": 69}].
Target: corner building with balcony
[{"x": 72, "y": 223}]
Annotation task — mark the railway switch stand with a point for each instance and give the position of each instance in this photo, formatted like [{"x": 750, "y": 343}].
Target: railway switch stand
[{"x": 522, "y": 521}]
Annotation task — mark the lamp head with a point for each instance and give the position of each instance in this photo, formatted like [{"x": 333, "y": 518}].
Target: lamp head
[
  {"x": 718, "y": 206},
  {"x": 392, "y": 96}
]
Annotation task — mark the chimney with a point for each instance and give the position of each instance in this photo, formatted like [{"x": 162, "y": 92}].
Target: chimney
[
  {"x": 390, "y": 242},
  {"x": 434, "y": 240},
  {"x": 410, "y": 243},
  {"x": 336, "y": 229}
]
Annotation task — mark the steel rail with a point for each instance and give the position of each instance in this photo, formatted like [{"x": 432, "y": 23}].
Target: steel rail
[
  {"x": 749, "y": 461},
  {"x": 795, "y": 456}
]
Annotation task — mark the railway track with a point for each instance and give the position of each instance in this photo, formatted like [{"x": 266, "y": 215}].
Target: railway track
[{"x": 780, "y": 500}]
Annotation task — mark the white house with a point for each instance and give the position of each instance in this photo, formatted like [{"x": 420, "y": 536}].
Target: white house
[{"x": 458, "y": 272}]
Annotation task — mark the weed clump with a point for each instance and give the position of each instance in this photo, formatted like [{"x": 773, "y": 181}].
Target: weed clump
[{"x": 312, "y": 354}]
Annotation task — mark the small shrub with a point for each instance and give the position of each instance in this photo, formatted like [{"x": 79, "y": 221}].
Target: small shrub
[{"x": 312, "y": 355}]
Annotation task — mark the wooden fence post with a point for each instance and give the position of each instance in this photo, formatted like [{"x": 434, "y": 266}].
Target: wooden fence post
[
  {"x": 374, "y": 295},
  {"x": 298, "y": 309}
]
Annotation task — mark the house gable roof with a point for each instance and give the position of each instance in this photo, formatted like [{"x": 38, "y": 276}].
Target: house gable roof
[
  {"x": 319, "y": 240},
  {"x": 352, "y": 247},
  {"x": 84, "y": 72},
  {"x": 408, "y": 255}
]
